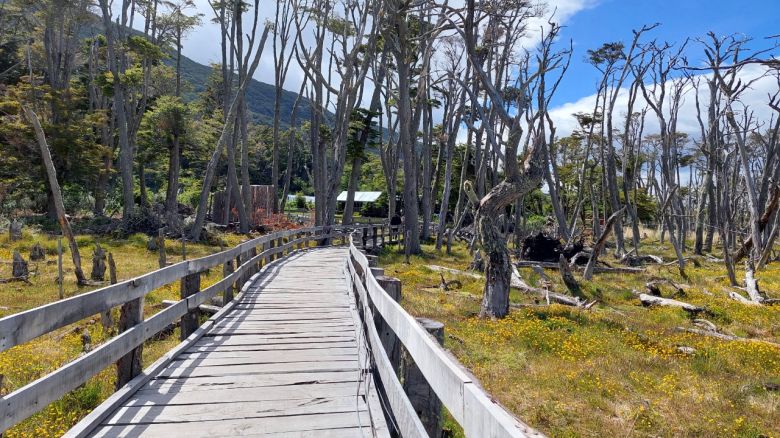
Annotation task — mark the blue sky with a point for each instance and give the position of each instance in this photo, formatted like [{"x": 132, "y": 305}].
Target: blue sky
[{"x": 613, "y": 20}]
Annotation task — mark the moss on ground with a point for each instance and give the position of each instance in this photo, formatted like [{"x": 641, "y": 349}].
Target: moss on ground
[{"x": 615, "y": 369}]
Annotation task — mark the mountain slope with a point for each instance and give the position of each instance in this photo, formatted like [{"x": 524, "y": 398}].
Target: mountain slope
[{"x": 260, "y": 95}]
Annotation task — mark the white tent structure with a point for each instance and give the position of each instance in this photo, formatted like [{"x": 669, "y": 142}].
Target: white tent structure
[{"x": 360, "y": 196}]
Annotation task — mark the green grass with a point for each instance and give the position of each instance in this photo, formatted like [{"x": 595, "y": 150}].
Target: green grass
[
  {"x": 614, "y": 369},
  {"x": 29, "y": 361}
]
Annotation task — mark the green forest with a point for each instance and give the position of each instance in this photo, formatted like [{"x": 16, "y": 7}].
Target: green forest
[{"x": 595, "y": 224}]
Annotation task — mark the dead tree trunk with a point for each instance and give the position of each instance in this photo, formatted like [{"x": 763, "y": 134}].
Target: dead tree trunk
[
  {"x": 599, "y": 246},
  {"x": 54, "y": 186}
]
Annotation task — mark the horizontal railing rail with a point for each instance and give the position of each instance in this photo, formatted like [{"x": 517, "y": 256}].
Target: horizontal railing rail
[
  {"x": 458, "y": 391},
  {"x": 25, "y": 326}
]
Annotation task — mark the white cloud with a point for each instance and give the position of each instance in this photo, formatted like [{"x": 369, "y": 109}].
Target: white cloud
[
  {"x": 203, "y": 43},
  {"x": 754, "y": 98}
]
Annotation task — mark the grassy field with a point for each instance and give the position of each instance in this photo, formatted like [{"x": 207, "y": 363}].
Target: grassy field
[
  {"x": 27, "y": 362},
  {"x": 613, "y": 370}
]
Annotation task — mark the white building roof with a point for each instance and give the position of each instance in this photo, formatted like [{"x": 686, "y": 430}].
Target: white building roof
[{"x": 360, "y": 196}]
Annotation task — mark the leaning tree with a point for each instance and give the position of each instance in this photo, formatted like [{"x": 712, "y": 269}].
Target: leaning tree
[{"x": 505, "y": 28}]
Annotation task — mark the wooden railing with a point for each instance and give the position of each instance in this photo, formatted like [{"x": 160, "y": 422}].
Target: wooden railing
[
  {"x": 25, "y": 326},
  {"x": 459, "y": 392}
]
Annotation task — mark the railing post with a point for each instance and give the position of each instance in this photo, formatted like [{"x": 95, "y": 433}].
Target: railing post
[
  {"x": 227, "y": 294},
  {"x": 390, "y": 341},
  {"x": 129, "y": 365},
  {"x": 266, "y": 259},
  {"x": 373, "y": 237},
  {"x": 421, "y": 395},
  {"x": 364, "y": 239},
  {"x": 280, "y": 244},
  {"x": 250, "y": 255},
  {"x": 190, "y": 285},
  {"x": 272, "y": 245}
]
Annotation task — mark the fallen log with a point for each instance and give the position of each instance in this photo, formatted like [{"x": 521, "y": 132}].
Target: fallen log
[
  {"x": 653, "y": 288},
  {"x": 447, "y": 285},
  {"x": 650, "y": 300},
  {"x": 517, "y": 282},
  {"x": 597, "y": 269},
  {"x": 13, "y": 279},
  {"x": 738, "y": 297},
  {"x": 694, "y": 260},
  {"x": 575, "y": 259},
  {"x": 437, "y": 268},
  {"x": 724, "y": 336},
  {"x": 632, "y": 260}
]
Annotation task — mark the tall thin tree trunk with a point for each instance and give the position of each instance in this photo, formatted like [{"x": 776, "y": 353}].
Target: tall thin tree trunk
[{"x": 54, "y": 186}]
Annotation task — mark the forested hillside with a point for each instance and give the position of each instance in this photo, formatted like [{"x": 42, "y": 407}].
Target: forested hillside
[{"x": 605, "y": 260}]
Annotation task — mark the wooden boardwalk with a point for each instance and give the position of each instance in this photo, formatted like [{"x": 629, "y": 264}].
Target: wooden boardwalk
[
  {"x": 288, "y": 361},
  {"x": 293, "y": 355}
]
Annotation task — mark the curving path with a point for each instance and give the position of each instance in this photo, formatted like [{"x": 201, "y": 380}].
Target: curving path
[{"x": 288, "y": 361}]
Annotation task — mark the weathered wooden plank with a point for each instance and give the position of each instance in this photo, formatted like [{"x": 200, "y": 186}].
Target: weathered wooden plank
[
  {"x": 176, "y": 371},
  {"x": 263, "y": 316},
  {"x": 241, "y": 427},
  {"x": 213, "y": 360},
  {"x": 188, "y": 384},
  {"x": 274, "y": 347},
  {"x": 446, "y": 378},
  {"x": 234, "y": 410},
  {"x": 244, "y": 393},
  {"x": 249, "y": 331},
  {"x": 266, "y": 355},
  {"x": 277, "y": 326}
]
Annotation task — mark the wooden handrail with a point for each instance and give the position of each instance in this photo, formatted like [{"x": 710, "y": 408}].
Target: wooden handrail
[
  {"x": 22, "y": 327},
  {"x": 406, "y": 419},
  {"x": 460, "y": 392}
]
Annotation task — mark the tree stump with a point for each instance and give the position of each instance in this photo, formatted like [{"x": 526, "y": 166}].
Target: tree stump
[
  {"x": 15, "y": 230},
  {"x": 161, "y": 257},
  {"x": 86, "y": 341},
  {"x": 37, "y": 253},
  {"x": 98, "y": 264},
  {"x": 151, "y": 244},
  {"x": 20, "y": 268}
]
